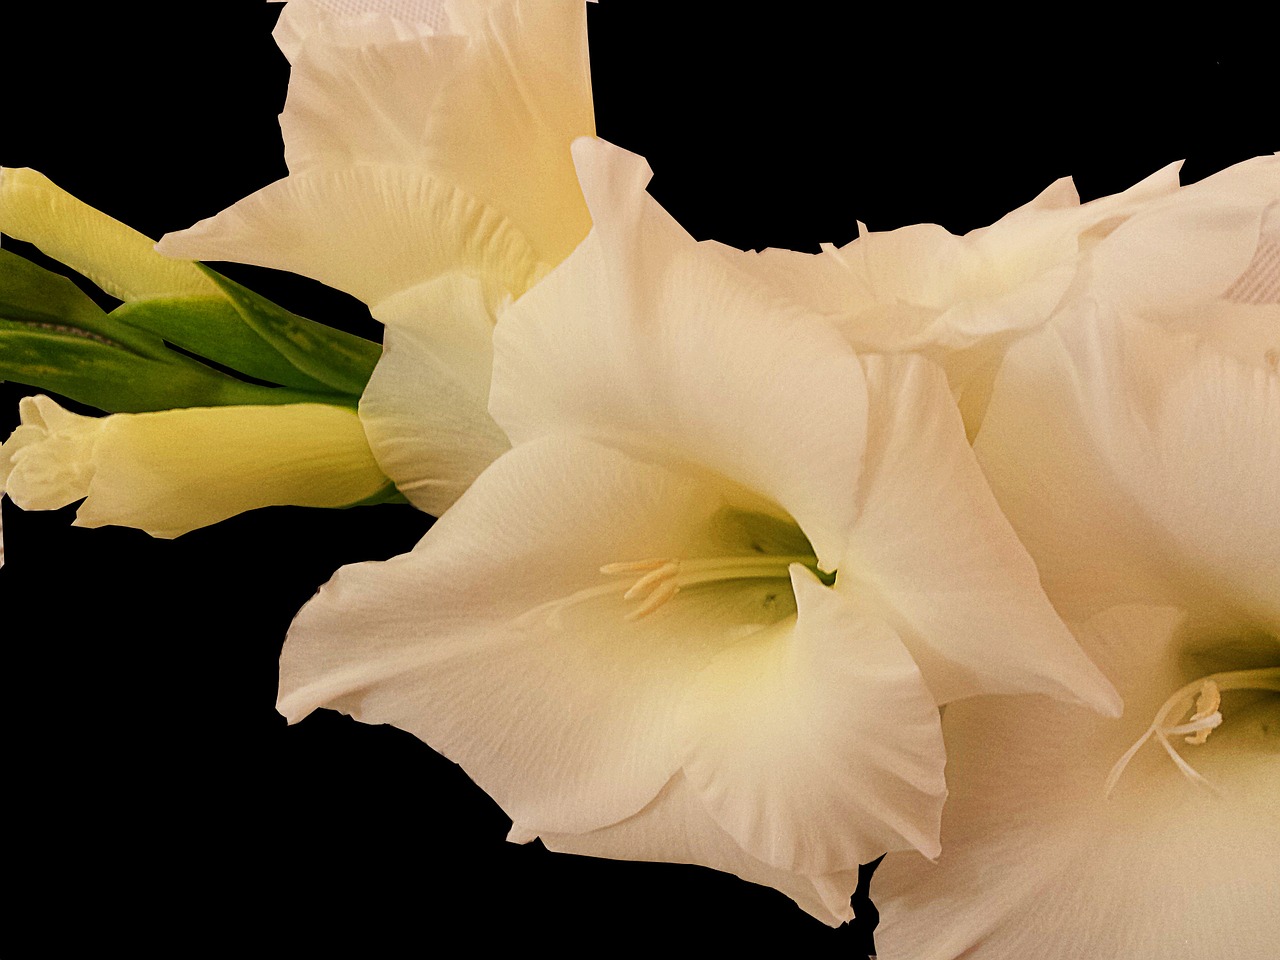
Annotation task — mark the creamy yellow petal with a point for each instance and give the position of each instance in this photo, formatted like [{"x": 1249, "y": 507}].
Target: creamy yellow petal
[
  {"x": 117, "y": 258},
  {"x": 646, "y": 338},
  {"x": 175, "y": 470},
  {"x": 1139, "y": 465},
  {"x": 488, "y": 100},
  {"x": 370, "y": 230},
  {"x": 815, "y": 744},
  {"x": 425, "y": 409}
]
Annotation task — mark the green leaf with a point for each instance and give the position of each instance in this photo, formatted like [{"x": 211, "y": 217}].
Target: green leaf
[
  {"x": 92, "y": 370},
  {"x": 212, "y": 328},
  {"x": 339, "y": 360},
  {"x": 32, "y": 295}
]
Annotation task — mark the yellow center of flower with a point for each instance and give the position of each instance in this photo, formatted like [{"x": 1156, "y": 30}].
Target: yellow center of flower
[{"x": 1206, "y": 716}]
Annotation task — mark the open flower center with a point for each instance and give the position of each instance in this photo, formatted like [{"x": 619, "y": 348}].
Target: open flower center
[
  {"x": 644, "y": 586},
  {"x": 662, "y": 578},
  {"x": 1203, "y": 700}
]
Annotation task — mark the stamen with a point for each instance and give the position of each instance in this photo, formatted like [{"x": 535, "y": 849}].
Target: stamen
[
  {"x": 663, "y": 577},
  {"x": 1206, "y": 707},
  {"x": 645, "y": 585},
  {"x": 633, "y": 566},
  {"x": 664, "y": 592},
  {"x": 1206, "y": 718}
]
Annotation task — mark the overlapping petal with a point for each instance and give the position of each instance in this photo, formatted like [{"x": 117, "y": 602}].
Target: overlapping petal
[
  {"x": 676, "y": 828},
  {"x": 1138, "y": 465},
  {"x": 1134, "y": 443},
  {"x": 957, "y": 299},
  {"x": 777, "y": 720},
  {"x": 933, "y": 552},
  {"x": 428, "y": 149},
  {"x": 647, "y": 340}
]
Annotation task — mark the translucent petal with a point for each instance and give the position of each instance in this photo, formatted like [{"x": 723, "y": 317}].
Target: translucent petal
[
  {"x": 488, "y": 102},
  {"x": 425, "y": 409},
  {"x": 117, "y": 258},
  {"x": 372, "y": 231},
  {"x": 648, "y": 339},
  {"x": 816, "y": 744},
  {"x": 1139, "y": 465},
  {"x": 932, "y": 551}
]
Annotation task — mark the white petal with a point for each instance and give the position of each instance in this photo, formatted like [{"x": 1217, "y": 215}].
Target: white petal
[
  {"x": 1139, "y": 465},
  {"x": 47, "y": 462},
  {"x": 491, "y": 107},
  {"x": 647, "y": 338},
  {"x": 175, "y": 470},
  {"x": 1037, "y": 862},
  {"x": 1190, "y": 247},
  {"x": 425, "y": 409},
  {"x": 356, "y": 22},
  {"x": 115, "y": 257},
  {"x": 499, "y": 641},
  {"x": 816, "y": 744},
  {"x": 933, "y": 550},
  {"x": 922, "y": 288},
  {"x": 372, "y": 231},
  {"x": 676, "y": 828}
]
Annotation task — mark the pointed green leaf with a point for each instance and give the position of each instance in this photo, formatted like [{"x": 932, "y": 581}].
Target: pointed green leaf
[
  {"x": 105, "y": 375},
  {"x": 45, "y": 300},
  {"x": 342, "y": 361},
  {"x": 211, "y": 327}
]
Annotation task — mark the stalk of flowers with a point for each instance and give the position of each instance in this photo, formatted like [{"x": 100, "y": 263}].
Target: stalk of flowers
[
  {"x": 187, "y": 444},
  {"x": 697, "y": 613}
]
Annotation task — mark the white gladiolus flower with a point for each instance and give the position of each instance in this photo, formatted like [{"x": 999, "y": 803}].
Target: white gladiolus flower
[
  {"x": 706, "y": 607},
  {"x": 429, "y": 176},
  {"x": 1135, "y": 445}
]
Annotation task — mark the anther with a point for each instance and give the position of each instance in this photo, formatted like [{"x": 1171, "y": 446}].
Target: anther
[
  {"x": 643, "y": 586},
  {"x": 1206, "y": 709},
  {"x": 664, "y": 592}
]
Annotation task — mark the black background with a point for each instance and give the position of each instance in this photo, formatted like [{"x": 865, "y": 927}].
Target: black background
[{"x": 158, "y": 801}]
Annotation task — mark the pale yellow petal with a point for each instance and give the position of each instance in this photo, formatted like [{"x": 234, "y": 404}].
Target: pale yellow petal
[
  {"x": 425, "y": 409},
  {"x": 117, "y": 258},
  {"x": 676, "y": 828},
  {"x": 933, "y": 550},
  {"x": 175, "y": 470},
  {"x": 372, "y": 231},
  {"x": 815, "y": 744}
]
